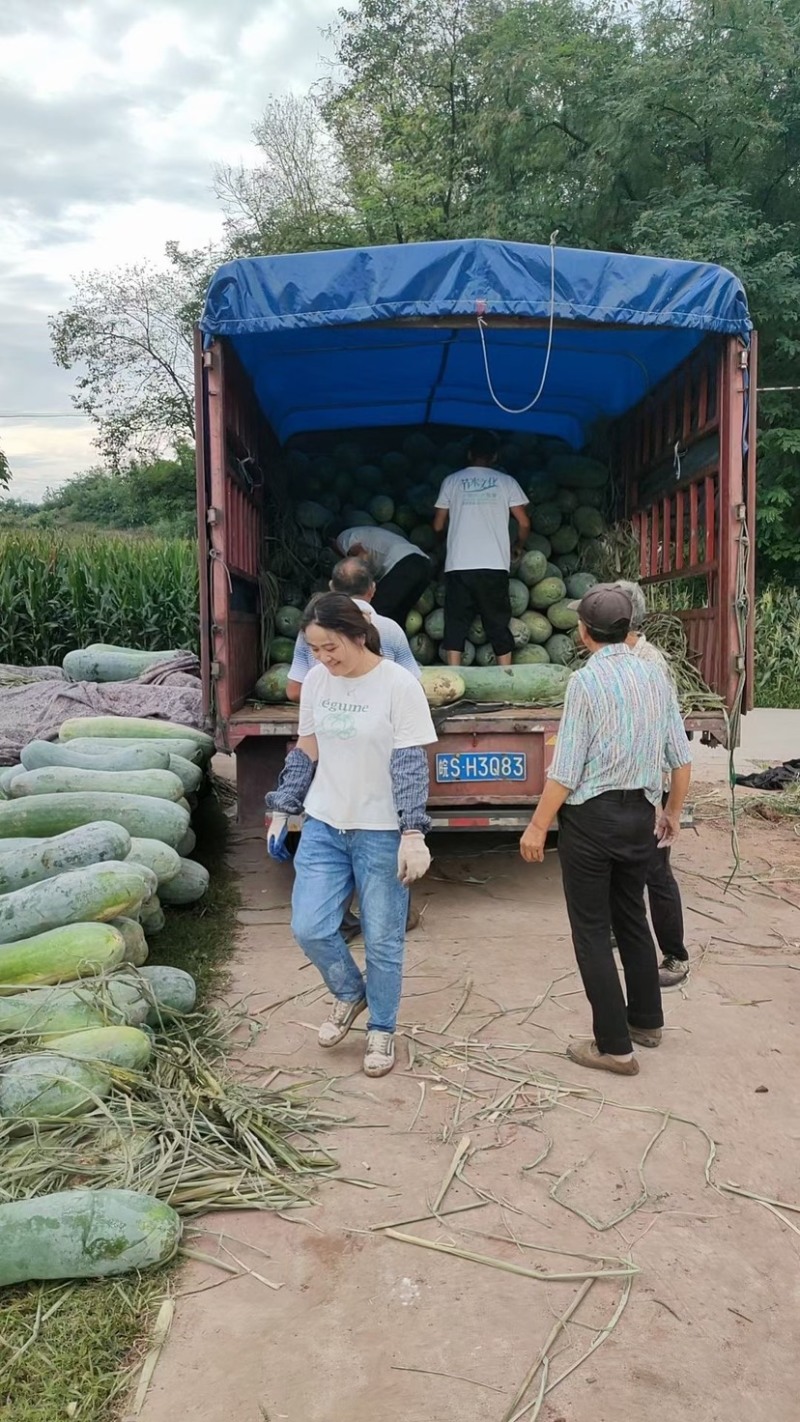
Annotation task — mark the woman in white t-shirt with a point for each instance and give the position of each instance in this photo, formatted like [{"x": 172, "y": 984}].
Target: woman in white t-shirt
[{"x": 360, "y": 774}]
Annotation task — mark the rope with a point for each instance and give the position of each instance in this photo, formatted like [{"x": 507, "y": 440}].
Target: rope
[
  {"x": 507, "y": 410},
  {"x": 217, "y": 557}
]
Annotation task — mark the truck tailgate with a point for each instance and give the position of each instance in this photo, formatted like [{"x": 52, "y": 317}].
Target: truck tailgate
[{"x": 488, "y": 758}]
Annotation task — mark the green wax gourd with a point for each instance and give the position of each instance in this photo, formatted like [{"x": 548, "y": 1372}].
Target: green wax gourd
[{"x": 85, "y": 1234}]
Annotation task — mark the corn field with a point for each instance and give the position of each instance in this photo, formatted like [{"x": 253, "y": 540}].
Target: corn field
[
  {"x": 61, "y": 592},
  {"x": 778, "y": 647}
]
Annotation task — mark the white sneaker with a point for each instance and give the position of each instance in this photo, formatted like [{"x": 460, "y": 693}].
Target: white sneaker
[
  {"x": 379, "y": 1056},
  {"x": 339, "y": 1021}
]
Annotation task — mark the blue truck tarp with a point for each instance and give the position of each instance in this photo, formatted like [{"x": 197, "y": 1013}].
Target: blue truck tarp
[{"x": 318, "y": 333}]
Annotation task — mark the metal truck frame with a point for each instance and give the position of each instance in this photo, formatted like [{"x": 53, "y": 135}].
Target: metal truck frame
[{"x": 685, "y": 464}]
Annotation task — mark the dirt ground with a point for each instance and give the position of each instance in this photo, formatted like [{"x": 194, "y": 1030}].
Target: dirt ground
[{"x": 366, "y": 1325}]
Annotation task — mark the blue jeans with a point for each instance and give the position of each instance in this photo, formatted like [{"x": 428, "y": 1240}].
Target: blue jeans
[{"x": 328, "y": 865}]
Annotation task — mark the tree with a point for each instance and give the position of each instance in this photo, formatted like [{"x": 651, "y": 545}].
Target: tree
[
  {"x": 158, "y": 495},
  {"x": 404, "y": 111},
  {"x": 669, "y": 127},
  {"x": 296, "y": 198},
  {"x": 467, "y": 117},
  {"x": 5, "y": 472},
  {"x": 128, "y": 333}
]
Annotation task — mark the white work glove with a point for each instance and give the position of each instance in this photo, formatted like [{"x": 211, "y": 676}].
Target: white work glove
[
  {"x": 277, "y": 831},
  {"x": 413, "y": 858}
]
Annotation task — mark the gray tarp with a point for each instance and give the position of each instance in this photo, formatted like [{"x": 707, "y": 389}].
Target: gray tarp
[{"x": 35, "y": 709}]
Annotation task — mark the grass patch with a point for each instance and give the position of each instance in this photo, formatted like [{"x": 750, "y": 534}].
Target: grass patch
[{"x": 80, "y": 1362}]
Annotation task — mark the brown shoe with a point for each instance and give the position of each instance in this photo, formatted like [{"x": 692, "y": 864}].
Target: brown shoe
[
  {"x": 588, "y": 1054},
  {"x": 645, "y": 1036}
]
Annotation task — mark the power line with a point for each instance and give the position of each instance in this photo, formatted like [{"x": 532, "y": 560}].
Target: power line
[{"x": 43, "y": 415}]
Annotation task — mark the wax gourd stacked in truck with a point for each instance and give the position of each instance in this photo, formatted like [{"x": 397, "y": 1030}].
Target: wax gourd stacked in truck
[{"x": 393, "y": 481}]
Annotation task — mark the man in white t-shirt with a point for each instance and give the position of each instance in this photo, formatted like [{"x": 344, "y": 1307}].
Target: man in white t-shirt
[
  {"x": 402, "y": 571},
  {"x": 474, "y": 506}
]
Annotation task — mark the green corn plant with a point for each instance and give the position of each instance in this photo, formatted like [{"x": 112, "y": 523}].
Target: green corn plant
[
  {"x": 59, "y": 592},
  {"x": 777, "y": 641}
]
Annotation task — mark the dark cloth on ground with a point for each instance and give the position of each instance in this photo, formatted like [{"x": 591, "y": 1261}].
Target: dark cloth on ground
[{"x": 777, "y": 777}]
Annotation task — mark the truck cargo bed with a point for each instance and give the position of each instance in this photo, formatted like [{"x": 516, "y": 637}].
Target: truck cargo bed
[
  {"x": 486, "y": 772},
  {"x": 282, "y": 721},
  {"x": 651, "y": 364}
]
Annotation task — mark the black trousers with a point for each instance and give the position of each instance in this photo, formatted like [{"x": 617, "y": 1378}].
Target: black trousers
[
  {"x": 666, "y": 909},
  {"x": 402, "y": 586},
  {"x": 477, "y": 592},
  {"x": 605, "y": 849}
]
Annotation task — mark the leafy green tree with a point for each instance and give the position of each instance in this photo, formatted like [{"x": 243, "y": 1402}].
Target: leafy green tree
[
  {"x": 158, "y": 496},
  {"x": 297, "y": 196},
  {"x": 127, "y": 332},
  {"x": 161, "y": 495},
  {"x": 669, "y": 127}
]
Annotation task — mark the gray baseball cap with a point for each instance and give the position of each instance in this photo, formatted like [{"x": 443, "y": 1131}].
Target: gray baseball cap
[{"x": 605, "y": 608}]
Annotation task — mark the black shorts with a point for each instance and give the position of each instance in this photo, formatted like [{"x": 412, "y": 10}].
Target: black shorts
[{"x": 477, "y": 592}]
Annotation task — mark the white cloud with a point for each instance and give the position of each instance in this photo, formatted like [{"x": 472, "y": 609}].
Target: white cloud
[
  {"x": 145, "y": 48},
  {"x": 46, "y": 454},
  {"x": 113, "y": 114},
  {"x": 49, "y": 66},
  {"x": 265, "y": 31}
]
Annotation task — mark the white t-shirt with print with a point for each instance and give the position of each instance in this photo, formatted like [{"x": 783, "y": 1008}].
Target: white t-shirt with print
[
  {"x": 386, "y": 548},
  {"x": 358, "y": 722},
  {"x": 478, "y": 501}
]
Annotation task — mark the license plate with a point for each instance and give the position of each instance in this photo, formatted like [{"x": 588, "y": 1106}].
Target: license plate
[{"x": 470, "y": 767}]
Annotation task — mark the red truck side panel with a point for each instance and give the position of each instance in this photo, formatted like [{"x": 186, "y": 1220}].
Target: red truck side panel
[
  {"x": 237, "y": 445},
  {"x": 203, "y": 494},
  {"x": 690, "y": 486},
  {"x": 693, "y": 516},
  {"x": 750, "y": 500}
]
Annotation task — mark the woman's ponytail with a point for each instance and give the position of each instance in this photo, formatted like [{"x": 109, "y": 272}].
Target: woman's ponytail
[{"x": 372, "y": 640}]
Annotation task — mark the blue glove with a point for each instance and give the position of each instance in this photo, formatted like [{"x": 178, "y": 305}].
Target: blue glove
[{"x": 276, "y": 838}]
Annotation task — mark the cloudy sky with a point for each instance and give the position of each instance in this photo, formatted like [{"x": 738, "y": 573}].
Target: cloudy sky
[{"x": 112, "y": 115}]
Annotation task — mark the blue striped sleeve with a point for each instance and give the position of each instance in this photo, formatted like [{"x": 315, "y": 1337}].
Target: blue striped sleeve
[
  {"x": 302, "y": 661},
  {"x": 572, "y": 746},
  {"x": 401, "y": 653},
  {"x": 677, "y": 751},
  {"x": 410, "y": 777}
]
